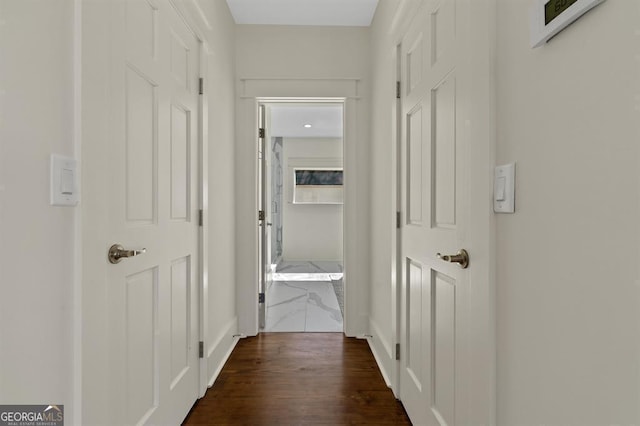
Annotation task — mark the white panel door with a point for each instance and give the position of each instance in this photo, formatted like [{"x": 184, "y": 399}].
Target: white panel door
[
  {"x": 436, "y": 54},
  {"x": 267, "y": 202},
  {"x": 262, "y": 216},
  {"x": 153, "y": 309}
]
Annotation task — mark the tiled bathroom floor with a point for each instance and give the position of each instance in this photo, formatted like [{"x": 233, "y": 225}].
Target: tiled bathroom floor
[
  {"x": 302, "y": 298},
  {"x": 309, "y": 267}
]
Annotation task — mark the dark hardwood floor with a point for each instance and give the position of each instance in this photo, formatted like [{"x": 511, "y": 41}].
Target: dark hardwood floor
[{"x": 299, "y": 379}]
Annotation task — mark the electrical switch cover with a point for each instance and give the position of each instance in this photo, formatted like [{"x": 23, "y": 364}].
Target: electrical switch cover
[{"x": 64, "y": 181}]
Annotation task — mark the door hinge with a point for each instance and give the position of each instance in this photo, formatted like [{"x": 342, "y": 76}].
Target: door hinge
[
  {"x": 398, "y": 220},
  {"x": 397, "y": 90},
  {"x": 201, "y": 349},
  {"x": 201, "y": 86},
  {"x": 397, "y": 351},
  {"x": 261, "y": 215},
  {"x": 200, "y": 217},
  {"x": 261, "y": 298},
  {"x": 261, "y": 133}
]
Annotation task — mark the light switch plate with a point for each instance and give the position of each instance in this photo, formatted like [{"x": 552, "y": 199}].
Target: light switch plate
[
  {"x": 64, "y": 181},
  {"x": 504, "y": 188}
]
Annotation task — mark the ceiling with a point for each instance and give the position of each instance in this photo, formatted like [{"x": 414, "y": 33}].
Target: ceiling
[
  {"x": 357, "y": 13},
  {"x": 288, "y": 121}
]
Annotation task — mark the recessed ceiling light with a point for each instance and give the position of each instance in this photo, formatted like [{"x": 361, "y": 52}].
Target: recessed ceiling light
[{"x": 308, "y": 126}]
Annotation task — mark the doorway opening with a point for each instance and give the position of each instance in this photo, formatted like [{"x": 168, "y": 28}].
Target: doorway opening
[{"x": 301, "y": 198}]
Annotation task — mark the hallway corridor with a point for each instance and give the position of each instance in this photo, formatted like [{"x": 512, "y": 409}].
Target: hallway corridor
[{"x": 299, "y": 379}]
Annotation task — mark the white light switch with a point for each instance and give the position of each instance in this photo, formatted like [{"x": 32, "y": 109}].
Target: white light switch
[
  {"x": 504, "y": 188},
  {"x": 64, "y": 184},
  {"x": 500, "y": 188}
]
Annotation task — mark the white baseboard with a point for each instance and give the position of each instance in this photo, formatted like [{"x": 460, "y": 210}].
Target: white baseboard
[
  {"x": 382, "y": 352},
  {"x": 219, "y": 351}
]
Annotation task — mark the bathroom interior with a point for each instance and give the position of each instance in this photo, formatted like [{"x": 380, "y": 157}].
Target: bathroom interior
[{"x": 304, "y": 286}]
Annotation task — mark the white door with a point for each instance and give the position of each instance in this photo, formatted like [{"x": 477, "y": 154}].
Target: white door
[
  {"x": 262, "y": 216},
  {"x": 152, "y": 204},
  {"x": 267, "y": 204},
  {"x": 436, "y": 384},
  {"x": 264, "y": 213}
]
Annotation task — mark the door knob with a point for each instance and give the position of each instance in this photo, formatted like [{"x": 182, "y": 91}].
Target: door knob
[
  {"x": 461, "y": 258},
  {"x": 117, "y": 253}
]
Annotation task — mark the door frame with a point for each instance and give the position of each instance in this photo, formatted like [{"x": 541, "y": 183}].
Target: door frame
[
  {"x": 203, "y": 231},
  {"x": 263, "y": 105},
  {"x": 252, "y": 91},
  {"x": 400, "y": 25}
]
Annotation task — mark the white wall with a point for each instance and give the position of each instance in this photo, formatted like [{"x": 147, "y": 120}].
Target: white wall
[
  {"x": 310, "y": 231},
  {"x": 568, "y": 284},
  {"x": 36, "y": 239},
  {"x": 294, "y": 61},
  {"x": 568, "y": 275},
  {"x": 276, "y": 51}
]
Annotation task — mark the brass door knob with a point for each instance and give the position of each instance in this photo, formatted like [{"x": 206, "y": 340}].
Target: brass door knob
[
  {"x": 461, "y": 258},
  {"x": 117, "y": 253}
]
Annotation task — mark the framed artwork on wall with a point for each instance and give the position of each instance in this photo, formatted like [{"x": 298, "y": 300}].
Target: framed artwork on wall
[{"x": 314, "y": 185}]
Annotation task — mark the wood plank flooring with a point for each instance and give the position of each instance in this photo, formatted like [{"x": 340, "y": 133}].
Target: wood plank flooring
[{"x": 299, "y": 379}]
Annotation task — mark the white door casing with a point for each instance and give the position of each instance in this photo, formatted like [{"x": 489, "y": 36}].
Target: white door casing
[
  {"x": 251, "y": 92},
  {"x": 153, "y": 204},
  {"x": 442, "y": 330}
]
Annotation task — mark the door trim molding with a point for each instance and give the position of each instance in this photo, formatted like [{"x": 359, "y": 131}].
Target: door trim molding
[
  {"x": 250, "y": 93},
  {"x": 76, "y": 382}
]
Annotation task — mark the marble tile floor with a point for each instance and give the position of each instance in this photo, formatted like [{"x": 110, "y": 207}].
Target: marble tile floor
[
  {"x": 298, "y": 276},
  {"x": 302, "y": 298},
  {"x": 309, "y": 267}
]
